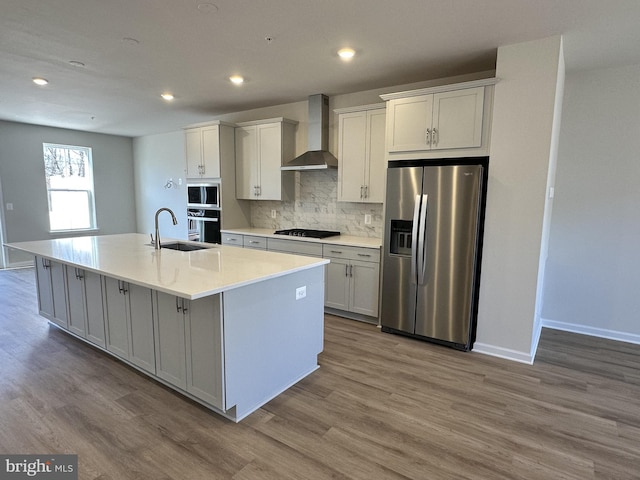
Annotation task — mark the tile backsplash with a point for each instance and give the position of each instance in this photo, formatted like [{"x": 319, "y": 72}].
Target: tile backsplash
[{"x": 316, "y": 206}]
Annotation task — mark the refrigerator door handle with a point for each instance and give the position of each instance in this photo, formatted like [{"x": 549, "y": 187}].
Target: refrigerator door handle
[
  {"x": 414, "y": 236},
  {"x": 422, "y": 240}
]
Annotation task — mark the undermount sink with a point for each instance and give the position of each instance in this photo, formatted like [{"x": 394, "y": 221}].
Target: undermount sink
[{"x": 183, "y": 247}]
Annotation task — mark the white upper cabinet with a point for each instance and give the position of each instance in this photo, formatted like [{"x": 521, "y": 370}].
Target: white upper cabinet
[
  {"x": 436, "y": 120},
  {"x": 361, "y": 154},
  {"x": 261, "y": 149},
  {"x": 206, "y": 147},
  {"x": 410, "y": 122}
]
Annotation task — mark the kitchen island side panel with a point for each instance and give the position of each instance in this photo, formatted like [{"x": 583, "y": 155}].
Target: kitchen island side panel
[{"x": 271, "y": 339}]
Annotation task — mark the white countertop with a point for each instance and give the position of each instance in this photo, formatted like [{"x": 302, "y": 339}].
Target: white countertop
[
  {"x": 347, "y": 240},
  {"x": 191, "y": 275}
]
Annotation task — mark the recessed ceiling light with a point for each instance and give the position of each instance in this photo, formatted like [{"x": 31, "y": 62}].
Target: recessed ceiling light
[
  {"x": 167, "y": 96},
  {"x": 40, "y": 81},
  {"x": 346, "y": 53},
  {"x": 236, "y": 79},
  {"x": 130, "y": 41},
  {"x": 207, "y": 8}
]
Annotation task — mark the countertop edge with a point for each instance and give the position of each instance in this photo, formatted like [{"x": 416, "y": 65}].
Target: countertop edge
[
  {"x": 154, "y": 286},
  {"x": 361, "y": 242}
]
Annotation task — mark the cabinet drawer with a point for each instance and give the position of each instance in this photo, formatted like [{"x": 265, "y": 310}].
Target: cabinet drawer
[
  {"x": 297, "y": 247},
  {"x": 351, "y": 253},
  {"x": 259, "y": 243},
  {"x": 232, "y": 239}
]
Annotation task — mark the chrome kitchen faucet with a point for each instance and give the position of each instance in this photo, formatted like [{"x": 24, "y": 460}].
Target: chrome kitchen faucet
[{"x": 156, "y": 242}]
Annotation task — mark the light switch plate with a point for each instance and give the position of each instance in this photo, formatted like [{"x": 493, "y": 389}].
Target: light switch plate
[
  {"x": 301, "y": 292},
  {"x": 9, "y": 206}
]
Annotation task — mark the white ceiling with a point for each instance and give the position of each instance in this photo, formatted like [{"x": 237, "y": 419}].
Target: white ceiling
[{"x": 191, "y": 47}]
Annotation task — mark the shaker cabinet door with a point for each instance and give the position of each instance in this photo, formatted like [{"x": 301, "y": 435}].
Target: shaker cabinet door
[
  {"x": 365, "y": 282},
  {"x": 210, "y": 137},
  {"x": 77, "y": 304},
  {"x": 457, "y": 119},
  {"x": 193, "y": 152},
  {"x": 117, "y": 330},
  {"x": 409, "y": 123},
  {"x": 246, "y": 163},
  {"x": 140, "y": 321},
  {"x": 337, "y": 284},
  {"x": 169, "y": 338}
]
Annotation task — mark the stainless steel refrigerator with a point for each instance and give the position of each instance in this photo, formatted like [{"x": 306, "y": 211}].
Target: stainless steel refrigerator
[{"x": 433, "y": 227}]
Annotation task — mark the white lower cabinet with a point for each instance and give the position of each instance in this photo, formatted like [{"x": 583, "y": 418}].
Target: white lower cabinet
[
  {"x": 86, "y": 313},
  {"x": 352, "y": 279},
  {"x": 232, "y": 239},
  {"x": 177, "y": 340},
  {"x": 257, "y": 243},
  {"x": 129, "y": 322},
  {"x": 188, "y": 343},
  {"x": 52, "y": 296}
]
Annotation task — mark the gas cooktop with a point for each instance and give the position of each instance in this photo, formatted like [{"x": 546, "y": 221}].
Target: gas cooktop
[{"x": 303, "y": 232}]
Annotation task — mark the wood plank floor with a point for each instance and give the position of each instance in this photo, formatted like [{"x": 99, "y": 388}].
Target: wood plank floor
[{"x": 380, "y": 407}]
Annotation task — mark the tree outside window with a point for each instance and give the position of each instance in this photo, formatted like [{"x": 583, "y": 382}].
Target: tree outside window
[{"x": 69, "y": 176}]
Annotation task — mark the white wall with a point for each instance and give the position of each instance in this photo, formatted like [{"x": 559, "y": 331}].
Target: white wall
[
  {"x": 23, "y": 181},
  {"x": 593, "y": 270},
  {"x": 519, "y": 171},
  {"x": 158, "y": 159}
]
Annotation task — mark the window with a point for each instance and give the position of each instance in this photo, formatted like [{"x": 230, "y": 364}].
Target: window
[{"x": 69, "y": 174}]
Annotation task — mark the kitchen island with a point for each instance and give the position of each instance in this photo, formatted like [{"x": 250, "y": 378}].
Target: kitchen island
[{"x": 227, "y": 327}]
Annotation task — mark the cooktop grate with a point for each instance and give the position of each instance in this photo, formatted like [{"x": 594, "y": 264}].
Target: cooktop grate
[{"x": 303, "y": 232}]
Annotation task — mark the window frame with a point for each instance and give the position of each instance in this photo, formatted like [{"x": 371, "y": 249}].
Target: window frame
[{"x": 91, "y": 204}]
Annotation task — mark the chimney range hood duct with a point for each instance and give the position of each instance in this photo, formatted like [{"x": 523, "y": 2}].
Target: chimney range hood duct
[{"x": 318, "y": 156}]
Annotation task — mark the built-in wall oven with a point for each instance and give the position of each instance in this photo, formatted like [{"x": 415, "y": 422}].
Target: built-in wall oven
[
  {"x": 204, "y": 225},
  {"x": 203, "y": 195}
]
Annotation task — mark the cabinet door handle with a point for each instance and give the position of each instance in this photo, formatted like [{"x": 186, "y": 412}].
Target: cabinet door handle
[
  {"x": 361, "y": 189},
  {"x": 203, "y": 169},
  {"x": 46, "y": 263},
  {"x": 346, "y": 270},
  {"x": 178, "y": 307},
  {"x": 122, "y": 287},
  {"x": 254, "y": 242},
  {"x": 336, "y": 251},
  {"x": 184, "y": 306},
  {"x": 366, "y": 191},
  {"x": 351, "y": 270},
  {"x": 434, "y": 136},
  {"x": 364, "y": 255},
  {"x": 79, "y": 275},
  {"x": 428, "y": 137}
]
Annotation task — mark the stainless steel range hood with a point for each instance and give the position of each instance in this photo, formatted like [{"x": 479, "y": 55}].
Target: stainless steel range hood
[{"x": 318, "y": 156}]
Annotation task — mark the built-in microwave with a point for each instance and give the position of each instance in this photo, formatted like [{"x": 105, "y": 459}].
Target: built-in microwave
[{"x": 203, "y": 195}]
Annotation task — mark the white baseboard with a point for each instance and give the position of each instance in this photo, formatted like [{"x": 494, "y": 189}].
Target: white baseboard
[
  {"x": 592, "y": 331},
  {"x": 506, "y": 353}
]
